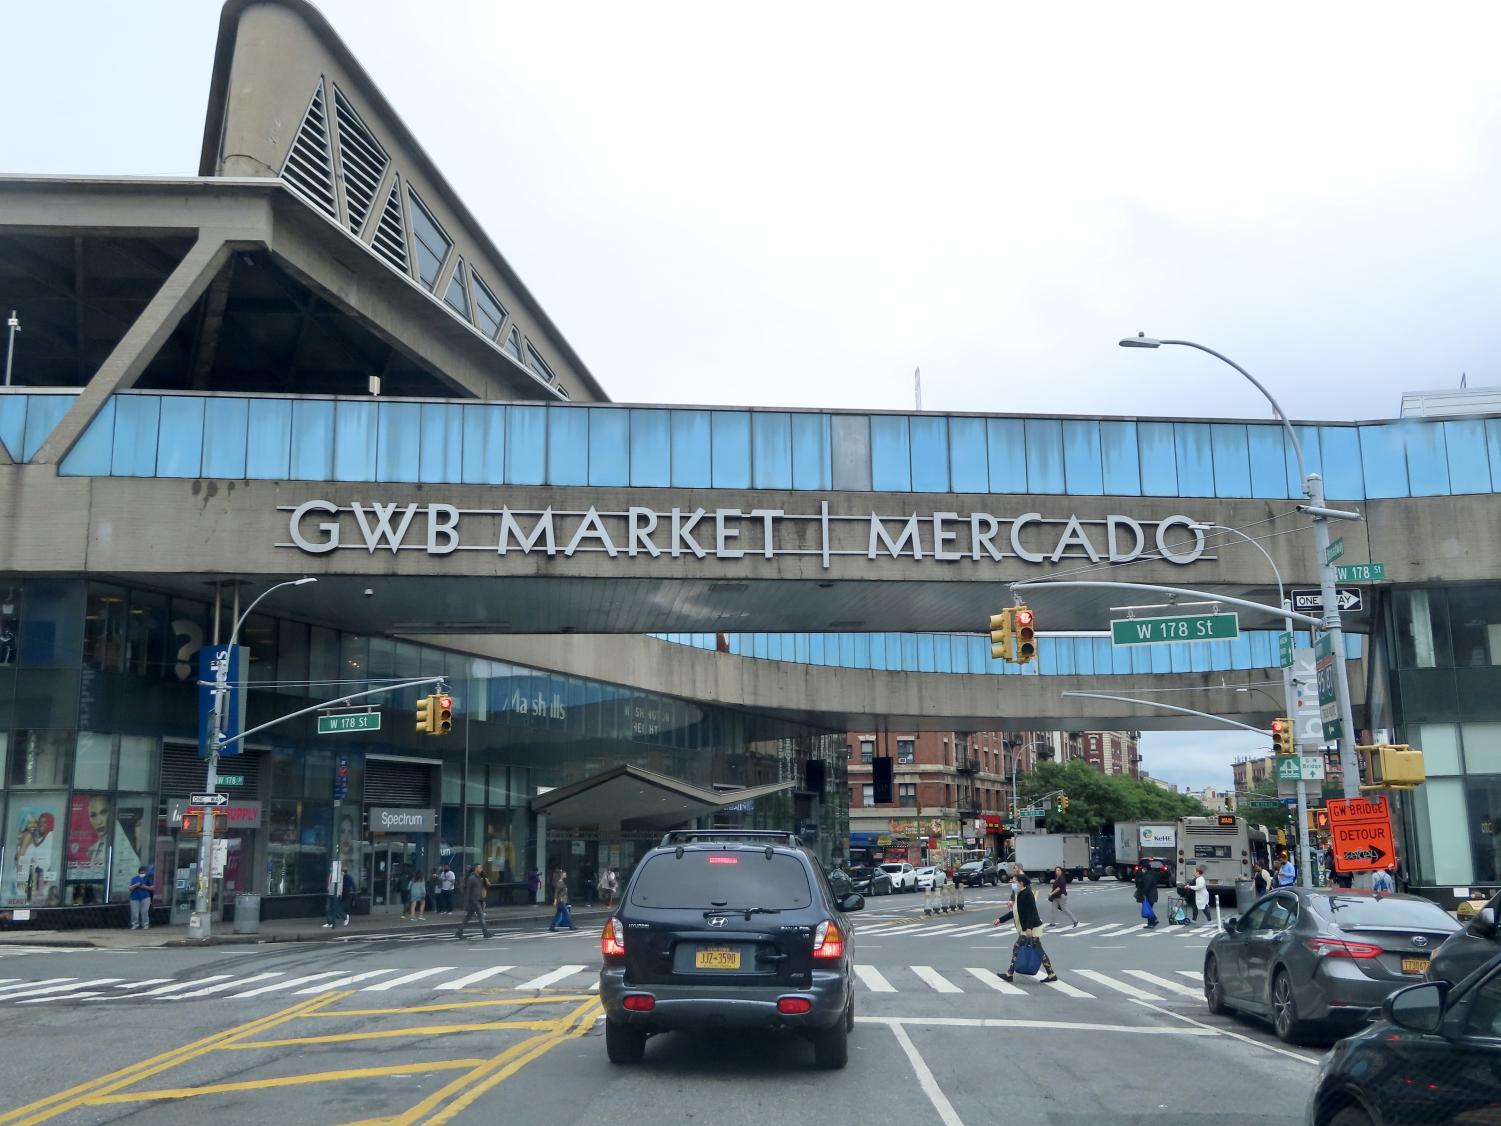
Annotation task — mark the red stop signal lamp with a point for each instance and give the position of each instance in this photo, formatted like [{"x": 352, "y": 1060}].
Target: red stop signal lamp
[
  {"x": 1282, "y": 737},
  {"x": 1026, "y": 635},
  {"x": 442, "y": 715}
]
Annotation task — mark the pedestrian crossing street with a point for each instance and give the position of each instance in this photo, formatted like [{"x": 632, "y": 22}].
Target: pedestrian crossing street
[
  {"x": 1079, "y": 984},
  {"x": 951, "y": 927}
]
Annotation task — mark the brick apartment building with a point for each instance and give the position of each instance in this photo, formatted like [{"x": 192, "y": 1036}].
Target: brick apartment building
[{"x": 1249, "y": 771}]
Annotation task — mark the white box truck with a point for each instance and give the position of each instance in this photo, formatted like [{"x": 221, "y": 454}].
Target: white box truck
[
  {"x": 1139, "y": 841},
  {"x": 1039, "y": 853}
]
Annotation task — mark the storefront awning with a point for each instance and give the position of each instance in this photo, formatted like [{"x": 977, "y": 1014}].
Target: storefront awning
[{"x": 634, "y": 798}]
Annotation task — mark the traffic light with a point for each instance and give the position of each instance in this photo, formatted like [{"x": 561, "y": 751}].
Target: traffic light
[
  {"x": 442, "y": 715},
  {"x": 1282, "y": 737},
  {"x": 880, "y": 780},
  {"x": 425, "y": 714},
  {"x": 1391, "y": 766},
  {"x": 1002, "y": 636},
  {"x": 1062, "y": 803},
  {"x": 1026, "y": 635},
  {"x": 192, "y": 822},
  {"x": 1318, "y": 820},
  {"x": 1229, "y": 803}
]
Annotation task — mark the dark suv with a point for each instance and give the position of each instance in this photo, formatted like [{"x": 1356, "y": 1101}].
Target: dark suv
[{"x": 729, "y": 930}]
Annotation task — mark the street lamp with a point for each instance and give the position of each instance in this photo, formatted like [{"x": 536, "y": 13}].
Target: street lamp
[
  {"x": 1024, "y": 747},
  {"x": 201, "y": 925},
  {"x": 1313, "y": 489}
]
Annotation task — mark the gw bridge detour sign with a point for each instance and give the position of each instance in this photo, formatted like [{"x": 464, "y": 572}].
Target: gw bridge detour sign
[{"x": 1360, "y": 833}]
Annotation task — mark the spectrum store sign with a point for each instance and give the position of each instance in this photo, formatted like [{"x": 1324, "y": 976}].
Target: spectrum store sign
[{"x": 319, "y": 527}]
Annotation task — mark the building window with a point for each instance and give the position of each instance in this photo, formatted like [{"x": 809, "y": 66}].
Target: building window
[
  {"x": 849, "y": 752},
  {"x": 867, "y": 795},
  {"x": 512, "y": 346},
  {"x": 536, "y": 363},
  {"x": 906, "y": 751},
  {"x": 432, "y": 244},
  {"x": 490, "y": 312},
  {"x": 457, "y": 297},
  {"x": 906, "y": 793},
  {"x": 867, "y": 751}
]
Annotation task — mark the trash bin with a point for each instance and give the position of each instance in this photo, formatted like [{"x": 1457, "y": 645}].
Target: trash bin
[
  {"x": 247, "y": 914},
  {"x": 1245, "y": 895}
]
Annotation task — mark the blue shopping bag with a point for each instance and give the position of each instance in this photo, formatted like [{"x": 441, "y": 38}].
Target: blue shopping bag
[{"x": 1029, "y": 956}]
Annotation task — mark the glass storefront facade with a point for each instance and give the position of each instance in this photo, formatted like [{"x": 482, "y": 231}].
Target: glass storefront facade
[
  {"x": 1441, "y": 658},
  {"x": 98, "y": 751}
]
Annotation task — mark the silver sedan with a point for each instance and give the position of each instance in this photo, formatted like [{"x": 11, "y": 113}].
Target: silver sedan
[{"x": 1308, "y": 957}]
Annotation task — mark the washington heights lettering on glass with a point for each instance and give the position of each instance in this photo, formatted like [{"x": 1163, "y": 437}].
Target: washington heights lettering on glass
[{"x": 320, "y": 526}]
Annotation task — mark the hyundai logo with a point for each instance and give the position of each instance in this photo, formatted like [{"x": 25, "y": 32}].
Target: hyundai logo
[
  {"x": 1419, "y": 940},
  {"x": 720, "y": 920}
]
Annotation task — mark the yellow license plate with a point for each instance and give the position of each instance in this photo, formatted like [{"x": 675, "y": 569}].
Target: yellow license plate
[
  {"x": 716, "y": 958},
  {"x": 1414, "y": 965}
]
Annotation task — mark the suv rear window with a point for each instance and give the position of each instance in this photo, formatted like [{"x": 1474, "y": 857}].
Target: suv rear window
[
  {"x": 1349, "y": 911},
  {"x": 731, "y": 878}
]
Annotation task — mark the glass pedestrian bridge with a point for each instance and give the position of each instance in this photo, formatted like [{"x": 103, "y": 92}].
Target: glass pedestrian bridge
[
  {"x": 267, "y": 437},
  {"x": 970, "y": 653}
]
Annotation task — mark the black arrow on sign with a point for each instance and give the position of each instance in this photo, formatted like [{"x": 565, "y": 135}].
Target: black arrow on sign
[{"x": 1371, "y": 853}]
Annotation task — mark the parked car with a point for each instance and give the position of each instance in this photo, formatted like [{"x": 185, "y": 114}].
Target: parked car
[
  {"x": 903, "y": 875},
  {"x": 1306, "y": 956},
  {"x": 931, "y": 877},
  {"x": 744, "y": 934},
  {"x": 977, "y": 873},
  {"x": 1435, "y": 1056},
  {"x": 1163, "y": 869},
  {"x": 1465, "y": 952},
  {"x": 870, "y": 881}
]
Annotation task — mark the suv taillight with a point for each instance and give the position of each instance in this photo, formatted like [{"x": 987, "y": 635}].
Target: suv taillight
[
  {"x": 1339, "y": 948},
  {"x": 828, "y": 941},
  {"x": 612, "y": 941}
]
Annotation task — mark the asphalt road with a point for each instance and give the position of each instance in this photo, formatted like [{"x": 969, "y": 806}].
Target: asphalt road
[{"x": 409, "y": 1030}]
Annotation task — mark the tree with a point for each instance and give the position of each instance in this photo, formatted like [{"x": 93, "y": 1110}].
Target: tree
[{"x": 1096, "y": 800}]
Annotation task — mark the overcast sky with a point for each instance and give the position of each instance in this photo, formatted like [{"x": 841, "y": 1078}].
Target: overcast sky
[{"x": 797, "y": 204}]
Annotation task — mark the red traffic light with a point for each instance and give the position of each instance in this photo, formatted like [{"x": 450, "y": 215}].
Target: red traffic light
[
  {"x": 1276, "y": 727},
  {"x": 445, "y": 701},
  {"x": 1023, "y": 617}
]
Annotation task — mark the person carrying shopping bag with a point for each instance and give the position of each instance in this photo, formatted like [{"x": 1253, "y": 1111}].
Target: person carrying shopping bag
[
  {"x": 1027, "y": 955},
  {"x": 1146, "y": 894}
]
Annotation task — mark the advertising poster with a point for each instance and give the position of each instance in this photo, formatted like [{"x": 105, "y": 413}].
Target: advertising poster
[
  {"x": 88, "y": 836},
  {"x": 133, "y": 837},
  {"x": 33, "y": 861}
]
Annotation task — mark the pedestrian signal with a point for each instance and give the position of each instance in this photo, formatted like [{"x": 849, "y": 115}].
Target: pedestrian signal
[
  {"x": 1282, "y": 737},
  {"x": 192, "y": 822},
  {"x": 1318, "y": 820}
]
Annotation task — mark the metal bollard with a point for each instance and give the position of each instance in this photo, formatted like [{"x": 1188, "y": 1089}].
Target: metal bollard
[
  {"x": 927, "y": 900},
  {"x": 959, "y": 896}
]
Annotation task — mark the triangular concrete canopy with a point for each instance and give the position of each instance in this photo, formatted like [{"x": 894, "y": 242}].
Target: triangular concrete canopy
[{"x": 629, "y": 795}]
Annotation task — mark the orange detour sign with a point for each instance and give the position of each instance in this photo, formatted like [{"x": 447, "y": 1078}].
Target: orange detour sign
[{"x": 1360, "y": 833}]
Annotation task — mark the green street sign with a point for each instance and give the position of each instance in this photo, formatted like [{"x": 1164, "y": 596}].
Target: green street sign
[
  {"x": 338, "y": 724},
  {"x": 1336, "y": 550},
  {"x": 231, "y": 779},
  {"x": 1288, "y": 768},
  {"x": 1260, "y": 803},
  {"x": 1285, "y": 650},
  {"x": 1032, "y": 811},
  {"x": 1188, "y": 627},
  {"x": 1324, "y": 646},
  {"x": 1361, "y": 573}
]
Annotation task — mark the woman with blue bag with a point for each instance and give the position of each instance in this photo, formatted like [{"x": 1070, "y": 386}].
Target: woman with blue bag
[{"x": 1027, "y": 956}]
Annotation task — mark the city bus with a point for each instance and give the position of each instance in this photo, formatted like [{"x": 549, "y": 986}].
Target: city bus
[{"x": 1225, "y": 846}]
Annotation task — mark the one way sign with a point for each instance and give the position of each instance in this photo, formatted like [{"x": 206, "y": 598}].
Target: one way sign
[{"x": 1311, "y": 600}]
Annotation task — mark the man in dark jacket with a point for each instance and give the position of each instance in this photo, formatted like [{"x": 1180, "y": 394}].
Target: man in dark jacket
[
  {"x": 1146, "y": 894},
  {"x": 475, "y": 892}
]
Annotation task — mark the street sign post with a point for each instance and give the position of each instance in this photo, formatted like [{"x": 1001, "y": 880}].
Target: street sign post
[
  {"x": 338, "y": 724},
  {"x": 1184, "y": 627},
  {"x": 1260, "y": 803},
  {"x": 209, "y": 799},
  {"x": 1285, "y": 650},
  {"x": 1361, "y": 573},
  {"x": 1336, "y": 550},
  {"x": 1360, "y": 833},
  {"x": 1328, "y": 693},
  {"x": 1310, "y": 600},
  {"x": 231, "y": 780}
]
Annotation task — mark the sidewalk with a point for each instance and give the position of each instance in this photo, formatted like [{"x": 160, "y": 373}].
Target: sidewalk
[{"x": 528, "y": 917}]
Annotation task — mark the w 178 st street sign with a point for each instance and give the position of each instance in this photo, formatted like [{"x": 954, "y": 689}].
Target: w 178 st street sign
[{"x": 1186, "y": 627}]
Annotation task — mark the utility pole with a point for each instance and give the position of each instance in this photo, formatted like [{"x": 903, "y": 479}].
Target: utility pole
[{"x": 13, "y": 326}]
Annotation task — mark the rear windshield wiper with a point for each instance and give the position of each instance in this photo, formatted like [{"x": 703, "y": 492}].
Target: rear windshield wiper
[{"x": 746, "y": 911}]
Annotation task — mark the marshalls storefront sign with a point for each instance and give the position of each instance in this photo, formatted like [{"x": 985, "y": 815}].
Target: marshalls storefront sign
[{"x": 320, "y": 526}]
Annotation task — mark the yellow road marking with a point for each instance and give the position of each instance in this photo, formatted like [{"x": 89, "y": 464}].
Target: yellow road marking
[
  {"x": 575, "y": 1024},
  {"x": 74, "y": 1097},
  {"x": 449, "y": 1006},
  {"x": 285, "y": 1081},
  {"x": 392, "y": 1033}
]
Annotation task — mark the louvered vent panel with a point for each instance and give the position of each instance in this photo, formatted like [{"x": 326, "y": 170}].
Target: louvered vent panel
[
  {"x": 362, "y": 161},
  {"x": 398, "y": 784},
  {"x": 183, "y": 772},
  {"x": 309, "y": 166},
  {"x": 390, "y": 235}
]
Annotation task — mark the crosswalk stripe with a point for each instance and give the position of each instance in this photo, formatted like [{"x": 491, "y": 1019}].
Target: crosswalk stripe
[
  {"x": 935, "y": 979},
  {"x": 966, "y": 931},
  {"x": 258, "y": 990},
  {"x": 903, "y": 930},
  {"x": 60, "y": 997},
  {"x": 1118, "y": 986},
  {"x": 6, "y": 991},
  {"x": 477, "y": 976},
  {"x": 1197, "y": 975},
  {"x": 874, "y": 979},
  {"x": 224, "y": 986},
  {"x": 67, "y": 985},
  {"x": 1123, "y": 932},
  {"x": 1092, "y": 929},
  {"x": 173, "y": 987},
  {"x": 3, "y": 980},
  {"x": 341, "y": 982},
  {"x": 381, "y": 987},
  {"x": 1153, "y": 979},
  {"x": 992, "y": 979},
  {"x": 1070, "y": 990},
  {"x": 547, "y": 979}
]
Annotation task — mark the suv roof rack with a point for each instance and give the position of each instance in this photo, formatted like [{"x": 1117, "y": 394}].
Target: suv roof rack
[{"x": 750, "y": 836}]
